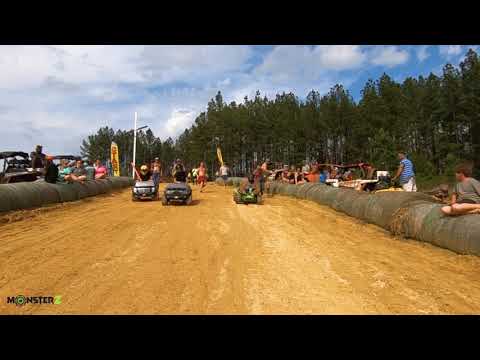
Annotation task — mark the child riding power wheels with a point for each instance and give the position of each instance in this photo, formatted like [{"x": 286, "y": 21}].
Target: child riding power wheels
[{"x": 248, "y": 192}]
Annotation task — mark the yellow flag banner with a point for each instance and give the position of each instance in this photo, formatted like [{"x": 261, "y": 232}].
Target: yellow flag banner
[
  {"x": 219, "y": 154},
  {"x": 114, "y": 159}
]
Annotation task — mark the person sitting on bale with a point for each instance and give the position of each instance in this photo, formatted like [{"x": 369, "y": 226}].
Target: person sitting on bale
[
  {"x": 51, "y": 170},
  {"x": 466, "y": 196},
  {"x": 79, "y": 174},
  {"x": 100, "y": 170},
  {"x": 64, "y": 171}
]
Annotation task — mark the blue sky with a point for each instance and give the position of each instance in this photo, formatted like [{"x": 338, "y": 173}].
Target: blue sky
[{"x": 57, "y": 95}]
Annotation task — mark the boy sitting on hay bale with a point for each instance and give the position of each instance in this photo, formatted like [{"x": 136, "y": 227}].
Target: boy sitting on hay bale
[{"x": 466, "y": 196}]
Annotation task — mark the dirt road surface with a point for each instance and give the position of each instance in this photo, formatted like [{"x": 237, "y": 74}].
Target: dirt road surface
[{"x": 109, "y": 255}]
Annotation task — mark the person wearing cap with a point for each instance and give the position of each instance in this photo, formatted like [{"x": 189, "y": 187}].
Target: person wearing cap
[{"x": 144, "y": 174}]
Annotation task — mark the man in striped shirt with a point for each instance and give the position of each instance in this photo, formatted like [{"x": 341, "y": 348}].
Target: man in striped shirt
[{"x": 405, "y": 173}]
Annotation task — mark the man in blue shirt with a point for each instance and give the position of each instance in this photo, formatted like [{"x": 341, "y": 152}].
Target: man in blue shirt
[{"x": 405, "y": 173}]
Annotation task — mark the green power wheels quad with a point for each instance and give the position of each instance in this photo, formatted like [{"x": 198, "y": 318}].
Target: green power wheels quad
[{"x": 249, "y": 197}]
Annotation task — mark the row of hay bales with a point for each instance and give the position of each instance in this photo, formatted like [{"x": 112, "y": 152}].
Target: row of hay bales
[
  {"x": 412, "y": 215},
  {"x": 231, "y": 181},
  {"x": 26, "y": 195}
]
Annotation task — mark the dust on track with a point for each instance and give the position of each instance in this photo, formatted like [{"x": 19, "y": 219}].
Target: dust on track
[{"x": 110, "y": 255}]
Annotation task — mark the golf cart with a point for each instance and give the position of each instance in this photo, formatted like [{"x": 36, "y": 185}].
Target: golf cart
[
  {"x": 17, "y": 168},
  {"x": 144, "y": 190}
]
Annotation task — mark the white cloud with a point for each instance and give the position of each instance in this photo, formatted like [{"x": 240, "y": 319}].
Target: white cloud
[
  {"x": 422, "y": 52},
  {"x": 288, "y": 63},
  {"x": 449, "y": 51},
  {"x": 340, "y": 57},
  {"x": 179, "y": 120},
  {"x": 389, "y": 56}
]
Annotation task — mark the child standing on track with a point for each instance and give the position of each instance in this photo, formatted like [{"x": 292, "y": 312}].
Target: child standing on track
[{"x": 202, "y": 176}]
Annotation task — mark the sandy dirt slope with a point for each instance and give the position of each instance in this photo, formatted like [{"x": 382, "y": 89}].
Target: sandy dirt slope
[{"x": 109, "y": 255}]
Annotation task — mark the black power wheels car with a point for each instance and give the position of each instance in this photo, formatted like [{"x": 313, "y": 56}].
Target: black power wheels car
[
  {"x": 177, "y": 193},
  {"x": 144, "y": 190}
]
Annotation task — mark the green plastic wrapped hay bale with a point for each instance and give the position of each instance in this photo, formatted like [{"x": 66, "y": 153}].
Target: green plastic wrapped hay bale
[
  {"x": 117, "y": 182},
  {"x": 93, "y": 188},
  {"x": 382, "y": 206},
  {"x": 66, "y": 192},
  {"x": 408, "y": 221},
  {"x": 346, "y": 200},
  {"x": 236, "y": 181},
  {"x": 25, "y": 195},
  {"x": 291, "y": 190},
  {"x": 312, "y": 192},
  {"x": 457, "y": 233},
  {"x": 303, "y": 189},
  {"x": 102, "y": 186},
  {"x": 48, "y": 192},
  {"x": 81, "y": 189},
  {"x": 327, "y": 195},
  {"x": 7, "y": 198}
]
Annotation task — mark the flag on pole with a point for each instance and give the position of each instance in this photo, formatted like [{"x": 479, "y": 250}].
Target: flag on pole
[
  {"x": 114, "y": 159},
  {"x": 219, "y": 154}
]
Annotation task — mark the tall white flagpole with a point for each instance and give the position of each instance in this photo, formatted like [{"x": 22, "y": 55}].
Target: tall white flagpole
[{"x": 134, "y": 143}]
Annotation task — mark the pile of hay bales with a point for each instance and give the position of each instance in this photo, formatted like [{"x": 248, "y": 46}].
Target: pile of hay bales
[
  {"x": 27, "y": 195},
  {"x": 412, "y": 215}
]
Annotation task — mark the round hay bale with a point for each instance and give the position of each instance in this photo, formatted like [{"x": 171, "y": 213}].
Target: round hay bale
[
  {"x": 93, "y": 188},
  {"x": 359, "y": 206},
  {"x": 48, "y": 192},
  {"x": 408, "y": 221},
  {"x": 102, "y": 186},
  {"x": 459, "y": 233},
  {"x": 327, "y": 195},
  {"x": 291, "y": 190},
  {"x": 309, "y": 195},
  {"x": 382, "y": 206},
  {"x": 81, "y": 189},
  {"x": 7, "y": 198},
  {"x": 25, "y": 195},
  {"x": 117, "y": 182},
  {"x": 66, "y": 192},
  {"x": 304, "y": 188},
  {"x": 346, "y": 199}
]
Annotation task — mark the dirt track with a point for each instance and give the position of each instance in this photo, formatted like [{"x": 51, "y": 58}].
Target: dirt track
[{"x": 109, "y": 255}]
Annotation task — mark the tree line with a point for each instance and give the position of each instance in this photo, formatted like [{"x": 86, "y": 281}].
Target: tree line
[{"x": 435, "y": 119}]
